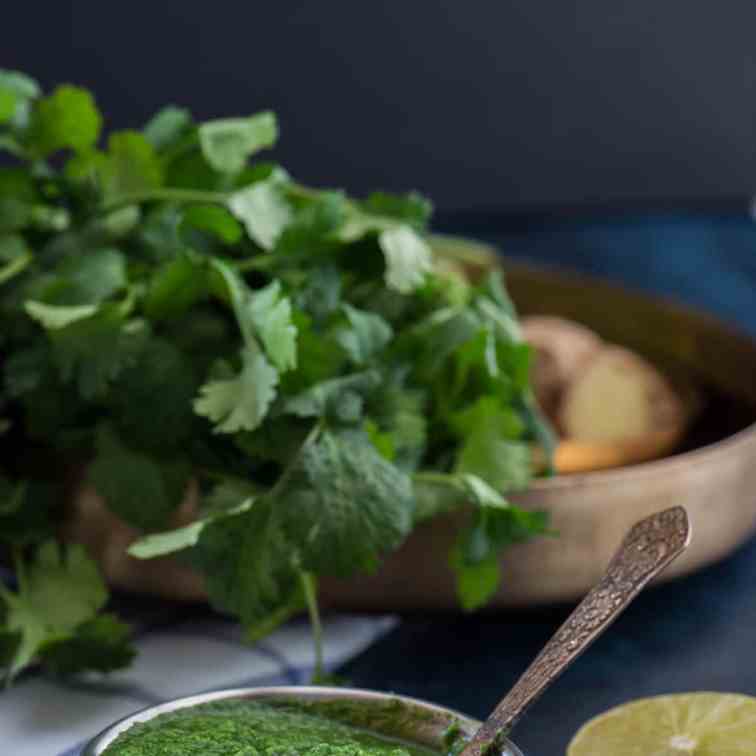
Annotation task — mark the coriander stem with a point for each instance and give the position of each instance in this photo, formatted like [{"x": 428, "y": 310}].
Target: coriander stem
[
  {"x": 437, "y": 478},
  {"x": 309, "y": 587},
  {"x": 260, "y": 262},
  {"x": 167, "y": 194}
]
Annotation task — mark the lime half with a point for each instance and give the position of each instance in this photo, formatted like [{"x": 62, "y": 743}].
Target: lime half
[{"x": 690, "y": 724}]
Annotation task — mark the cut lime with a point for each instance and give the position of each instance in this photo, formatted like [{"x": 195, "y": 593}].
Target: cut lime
[{"x": 690, "y": 724}]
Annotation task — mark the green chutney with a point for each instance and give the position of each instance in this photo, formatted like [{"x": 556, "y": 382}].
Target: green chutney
[{"x": 252, "y": 728}]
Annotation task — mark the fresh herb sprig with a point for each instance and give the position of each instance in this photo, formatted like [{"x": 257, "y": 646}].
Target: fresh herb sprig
[{"x": 172, "y": 312}]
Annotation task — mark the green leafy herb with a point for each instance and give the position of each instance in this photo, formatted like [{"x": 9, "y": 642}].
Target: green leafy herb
[
  {"x": 167, "y": 126},
  {"x": 345, "y": 504},
  {"x": 408, "y": 259},
  {"x": 180, "y": 316},
  {"x": 251, "y": 567},
  {"x": 67, "y": 119},
  {"x": 140, "y": 488},
  {"x": 263, "y": 209},
  {"x": 14, "y": 256},
  {"x": 171, "y": 541},
  {"x": 102, "y": 644},
  {"x": 56, "y": 593},
  {"x": 367, "y": 335},
  {"x": 241, "y": 401},
  {"x": 228, "y": 143}
]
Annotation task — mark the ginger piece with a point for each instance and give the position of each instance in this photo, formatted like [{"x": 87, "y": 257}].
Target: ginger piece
[
  {"x": 619, "y": 396},
  {"x": 561, "y": 348}
]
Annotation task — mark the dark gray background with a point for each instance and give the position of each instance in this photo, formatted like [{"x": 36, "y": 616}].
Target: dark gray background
[{"x": 476, "y": 103}]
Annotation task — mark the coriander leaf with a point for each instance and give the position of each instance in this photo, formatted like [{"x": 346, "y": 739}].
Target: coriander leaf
[
  {"x": 131, "y": 166},
  {"x": 475, "y": 555},
  {"x": 436, "y": 494},
  {"x": 408, "y": 259},
  {"x": 475, "y": 561},
  {"x": 27, "y": 515},
  {"x": 93, "y": 351},
  {"x": 57, "y": 316},
  {"x": 8, "y": 101},
  {"x": 20, "y": 84},
  {"x": 214, "y": 220},
  {"x": 159, "y": 234},
  {"x": 229, "y": 142},
  {"x": 263, "y": 313},
  {"x": 18, "y": 183},
  {"x": 49, "y": 218},
  {"x": 171, "y": 541},
  {"x": 271, "y": 314},
  {"x": 263, "y": 209},
  {"x": 9, "y": 642},
  {"x": 238, "y": 295},
  {"x": 412, "y": 208},
  {"x": 228, "y": 496},
  {"x": 55, "y": 595},
  {"x": 487, "y": 430},
  {"x": 15, "y": 256},
  {"x": 68, "y": 118},
  {"x": 478, "y": 356},
  {"x": 382, "y": 212},
  {"x": 432, "y": 341},
  {"x": 89, "y": 278},
  {"x": 257, "y": 171},
  {"x": 344, "y": 504},
  {"x": 9, "y": 144},
  {"x": 85, "y": 168},
  {"x": 167, "y": 126},
  {"x": 358, "y": 224},
  {"x": 400, "y": 414},
  {"x": 514, "y": 525},
  {"x": 102, "y": 644},
  {"x": 143, "y": 490},
  {"x": 319, "y": 357},
  {"x": 120, "y": 222},
  {"x": 368, "y": 335},
  {"x": 23, "y": 89},
  {"x": 278, "y": 439},
  {"x": 15, "y": 214},
  {"x": 329, "y": 398},
  {"x": 383, "y": 442},
  {"x": 320, "y": 294},
  {"x": 476, "y": 581},
  {"x": 151, "y": 400},
  {"x": 313, "y": 230},
  {"x": 174, "y": 287},
  {"x": 241, "y": 402},
  {"x": 249, "y": 567},
  {"x": 167, "y": 542},
  {"x": 24, "y": 370}
]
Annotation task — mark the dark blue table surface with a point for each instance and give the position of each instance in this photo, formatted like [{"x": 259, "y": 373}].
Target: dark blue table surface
[{"x": 698, "y": 633}]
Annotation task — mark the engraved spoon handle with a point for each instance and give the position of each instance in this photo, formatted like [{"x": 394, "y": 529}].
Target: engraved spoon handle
[{"x": 649, "y": 547}]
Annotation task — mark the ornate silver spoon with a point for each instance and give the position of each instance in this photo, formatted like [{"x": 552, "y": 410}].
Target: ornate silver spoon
[{"x": 649, "y": 547}]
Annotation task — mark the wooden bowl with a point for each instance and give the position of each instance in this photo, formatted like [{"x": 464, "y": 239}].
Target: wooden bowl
[{"x": 712, "y": 473}]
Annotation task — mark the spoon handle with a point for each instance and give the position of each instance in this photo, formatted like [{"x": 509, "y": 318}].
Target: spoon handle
[{"x": 649, "y": 547}]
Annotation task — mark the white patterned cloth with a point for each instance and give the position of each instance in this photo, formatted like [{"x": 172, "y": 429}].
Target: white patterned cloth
[{"x": 41, "y": 717}]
